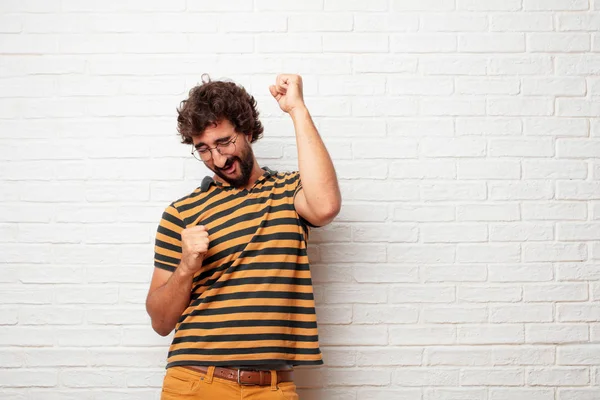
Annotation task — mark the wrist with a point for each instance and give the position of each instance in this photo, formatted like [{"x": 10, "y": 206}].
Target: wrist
[
  {"x": 298, "y": 112},
  {"x": 184, "y": 272}
]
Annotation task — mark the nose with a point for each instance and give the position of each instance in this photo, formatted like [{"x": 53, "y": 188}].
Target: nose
[{"x": 219, "y": 160}]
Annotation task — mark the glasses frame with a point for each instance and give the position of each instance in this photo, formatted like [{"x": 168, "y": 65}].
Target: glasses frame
[{"x": 210, "y": 149}]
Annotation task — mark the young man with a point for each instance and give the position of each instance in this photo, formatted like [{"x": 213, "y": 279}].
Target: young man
[{"x": 231, "y": 270}]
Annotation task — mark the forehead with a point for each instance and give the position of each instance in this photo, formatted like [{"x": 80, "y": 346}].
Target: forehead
[{"x": 213, "y": 133}]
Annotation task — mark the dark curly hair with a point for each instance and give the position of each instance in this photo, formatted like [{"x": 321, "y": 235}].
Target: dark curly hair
[{"x": 214, "y": 101}]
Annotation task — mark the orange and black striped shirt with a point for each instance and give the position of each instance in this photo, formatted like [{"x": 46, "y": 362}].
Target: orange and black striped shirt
[{"x": 252, "y": 301}]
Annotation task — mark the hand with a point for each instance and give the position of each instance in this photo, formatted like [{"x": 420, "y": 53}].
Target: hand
[
  {"x": 288, "y": 92},
  {"x": 194, "y": 245}
]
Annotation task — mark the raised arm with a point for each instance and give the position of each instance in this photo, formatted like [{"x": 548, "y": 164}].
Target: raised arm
[{"x": 320, "y": 200}]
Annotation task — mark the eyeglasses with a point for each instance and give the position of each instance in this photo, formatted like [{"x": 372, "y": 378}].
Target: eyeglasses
[{"x": 204, "y": 153}]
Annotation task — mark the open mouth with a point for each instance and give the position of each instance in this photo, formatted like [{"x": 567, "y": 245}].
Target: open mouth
[{"x": 230, "y": 170}]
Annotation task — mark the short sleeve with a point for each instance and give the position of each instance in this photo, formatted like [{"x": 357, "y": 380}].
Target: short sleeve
[
  {"x": 167, "y": 245},
  {"x": 296, "y": 183}
]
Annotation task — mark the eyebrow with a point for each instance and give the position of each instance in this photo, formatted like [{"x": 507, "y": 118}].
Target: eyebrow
[{"x": 218, "y": 141}]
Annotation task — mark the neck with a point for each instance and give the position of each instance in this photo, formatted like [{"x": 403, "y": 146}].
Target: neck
[{"x": 257, "y": 172}]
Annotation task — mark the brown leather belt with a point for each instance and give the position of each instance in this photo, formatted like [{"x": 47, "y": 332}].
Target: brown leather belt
[{"x": 244, "y": 376}]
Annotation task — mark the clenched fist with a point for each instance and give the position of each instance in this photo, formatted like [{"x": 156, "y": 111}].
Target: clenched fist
[
  {"x": 194, "y": 245},
  {"x": 288, "y": 92}
]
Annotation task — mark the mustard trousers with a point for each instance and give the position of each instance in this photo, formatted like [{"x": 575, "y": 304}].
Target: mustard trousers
[{"x": 182, "y": 383}]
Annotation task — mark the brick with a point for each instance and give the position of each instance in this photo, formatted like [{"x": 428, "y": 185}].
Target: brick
[
  {"x": 555, "y": 5},
  {"x": 555, "y": 376},
  {"x": 289, "y": 43},
  {"x": 554, "y": 169},
  {"x": 420, "y": 86},
  {"x": 571, "y": 107},
  {"x": 492, "y": 293},
  {"x": 488, "y": 212},
  {"x": 521, "y": 393},
  {"x": 427, "y": 5},
  {"x": 456, "y": 147},
  {"x": 520, "y": 273},
  {"x": 355, "y": 43},
  {"x": 423, "y": 43},
  {"x": 455, "y": 106},
  {"x": 287, "y": 5},
  {"x": 353, "y": 335},
  {"x": 383, "y": 314},
  {"x": 555, "y": 292},
  {"x": 520, "y": 22},
  {"x": 422, "y": 294},
  {"x": 578, "y": 355},
  {"x": 577, "y": 148},
  {"x": 454, "y": 22},
  {"x": 556, "y": 127},
  {"x": 424, "y": 213},
  {"x": 409, "y": 335},
  {"x": 578, "y": 21},
  {"x": 488, "y": 126},
  {"x": 554, "y": 211},
  {"x": 359, "y": 377},
  {"x": 578, "y": 65},
  {"x": 556, "y": 333},
  {"x": 453, "y": 233},
  {"x": 385, "y": 22},
  {"x": 421, "y": 253},
  {"x": 493, "y": 377},
  {"x": 487, "y": 86},
  {"x": 521, "y": 148},
  {"x": 577, "y": 272},
  {"x": 558, "y": 42},
  {"x": 521, "y": 190},
  {"x": 423, "y": 169},
  {"x": 384, "y": 63},
  {"x": 523, "y": 355},
  {"x": 378, "y": 233},
  {"x": 457, "y": 65},
  {"x": 454, "y": 356},
  {"x": 390, "y": 356},
  {"x": 376, "y": 106},
  {"x": 454, "y": 314},
  {"x": 577, "y": 312},
  {"x": 386, "y": 273},
  {"x": 532, "y": 106},
  {"x": 494, "y": 334},
  {"x": 523, "y": 65},
  {"x": 492, "y": 42},
  {"x": 478, "y": 169},
  {"x": 490, "y": 253},
  {"x": 426, "y": 377},
  {"x": 578, "y": 190},
  {"x": 554, "y": 87},
  {"x": 521, "y": 313},
  {"x": 521, "y": 232}
]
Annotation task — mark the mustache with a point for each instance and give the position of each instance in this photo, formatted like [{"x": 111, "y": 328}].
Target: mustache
[{"x": 228, "y": 164}]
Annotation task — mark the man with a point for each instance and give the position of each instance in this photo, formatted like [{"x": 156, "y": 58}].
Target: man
[{"x": 231, "y": 270}]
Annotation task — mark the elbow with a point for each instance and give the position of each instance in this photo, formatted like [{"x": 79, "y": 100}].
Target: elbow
[
  {"x": 327, "y": 214},
  {"x": 162, "y": 330}
]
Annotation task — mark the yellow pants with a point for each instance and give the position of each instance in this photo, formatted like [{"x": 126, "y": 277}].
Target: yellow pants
[{"x": 183, "y": 383}]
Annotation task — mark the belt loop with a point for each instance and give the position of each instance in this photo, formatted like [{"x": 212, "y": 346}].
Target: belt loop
[
  {"x": 209, "y": 374},
  {"x": 273, "y": 380}
]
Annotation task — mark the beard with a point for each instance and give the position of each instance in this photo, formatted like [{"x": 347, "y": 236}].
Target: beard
[{"x": 245, "y": 163}]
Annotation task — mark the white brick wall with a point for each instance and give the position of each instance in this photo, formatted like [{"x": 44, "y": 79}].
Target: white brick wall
[{"x": 466, "y": 135}]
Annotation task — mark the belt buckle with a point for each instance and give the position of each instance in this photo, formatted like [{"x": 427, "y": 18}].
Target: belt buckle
[{"x": 239, "y": 382}]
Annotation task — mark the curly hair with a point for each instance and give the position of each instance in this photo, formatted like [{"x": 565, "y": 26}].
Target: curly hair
[{"x": 214, "y": 101}]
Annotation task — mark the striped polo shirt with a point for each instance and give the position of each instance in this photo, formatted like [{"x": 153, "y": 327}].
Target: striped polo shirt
[{"x": 252, "y": 301}]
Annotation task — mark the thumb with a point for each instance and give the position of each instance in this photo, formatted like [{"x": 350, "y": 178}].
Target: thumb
[{"x": 274, "y": 92}]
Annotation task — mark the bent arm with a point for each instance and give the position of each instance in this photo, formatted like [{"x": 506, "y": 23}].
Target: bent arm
[
  {"x": 168, "y": 297},
  {"x": 320, "y": 200}
]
